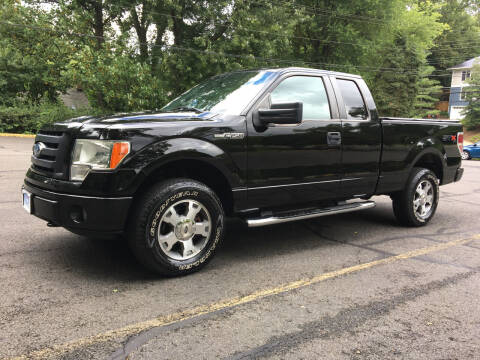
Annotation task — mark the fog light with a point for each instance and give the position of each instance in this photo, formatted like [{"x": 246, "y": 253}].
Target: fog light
[
  {"x": 79, "y": 172},
  {"x": 78, "y": 214}
]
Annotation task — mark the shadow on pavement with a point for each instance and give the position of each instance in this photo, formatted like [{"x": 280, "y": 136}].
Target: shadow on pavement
[{"x": 111, "y": 259}]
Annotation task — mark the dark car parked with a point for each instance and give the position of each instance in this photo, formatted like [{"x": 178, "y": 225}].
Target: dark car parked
[{"x": 269, "y": 146}]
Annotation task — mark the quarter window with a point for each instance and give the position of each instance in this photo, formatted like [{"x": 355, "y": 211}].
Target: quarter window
[
  {"x": 353, "y": 100},
  {"x": 308, "y": 90}
]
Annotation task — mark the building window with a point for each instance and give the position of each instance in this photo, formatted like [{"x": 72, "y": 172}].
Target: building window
[
  {"x": 465, "y": 75},
  {"x": 463, "y": 95}
]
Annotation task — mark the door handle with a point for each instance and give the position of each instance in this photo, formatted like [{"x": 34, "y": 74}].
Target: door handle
[{"x": 334, "y": 138}]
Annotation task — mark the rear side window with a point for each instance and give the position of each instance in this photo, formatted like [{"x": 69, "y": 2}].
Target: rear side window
[
  {"x": 353, "y": 100},
  {"x": 308, "y": 90}
]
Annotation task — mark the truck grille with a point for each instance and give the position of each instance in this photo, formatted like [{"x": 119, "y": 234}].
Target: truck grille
[{"x": 53, "y": 160}]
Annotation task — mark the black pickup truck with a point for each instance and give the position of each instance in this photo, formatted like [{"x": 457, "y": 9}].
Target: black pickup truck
[{"x": 268, "y": 146}]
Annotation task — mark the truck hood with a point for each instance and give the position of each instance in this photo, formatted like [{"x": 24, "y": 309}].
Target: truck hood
[
  {"x": 140, "y": 117},
  {"x": 110, "y": 126},
  {"x": 142, "y": 127}
]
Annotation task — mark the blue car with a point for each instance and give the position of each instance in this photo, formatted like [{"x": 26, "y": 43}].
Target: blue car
[{"x": 471, "y": 151}]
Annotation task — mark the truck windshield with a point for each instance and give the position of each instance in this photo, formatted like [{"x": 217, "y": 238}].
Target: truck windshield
[{"x": 228, "y": 93}]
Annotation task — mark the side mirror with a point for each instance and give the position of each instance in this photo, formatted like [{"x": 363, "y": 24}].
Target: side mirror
[
  {"x": 281, "y": 114},
  {"x": 474, "y": 144}
]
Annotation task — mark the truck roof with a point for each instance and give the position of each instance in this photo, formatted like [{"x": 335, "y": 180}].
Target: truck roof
[{"x": 302, "y": 69}]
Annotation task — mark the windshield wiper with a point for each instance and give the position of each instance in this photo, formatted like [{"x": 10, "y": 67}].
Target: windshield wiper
[{"x": 188, "y": 108}]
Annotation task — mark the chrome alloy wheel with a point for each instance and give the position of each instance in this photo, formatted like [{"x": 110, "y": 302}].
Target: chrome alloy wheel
[
  {"x": 184, "y": 229},
  {"x": 465, "y": 155},
  {"x": 423, "y": 199}
]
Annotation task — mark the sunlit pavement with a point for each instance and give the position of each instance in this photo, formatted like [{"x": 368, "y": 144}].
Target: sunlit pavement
[{"x": 70, "y": 297}]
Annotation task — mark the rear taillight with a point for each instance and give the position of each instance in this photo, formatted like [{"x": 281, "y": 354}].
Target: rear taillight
[{"x": 460, "y": 141}]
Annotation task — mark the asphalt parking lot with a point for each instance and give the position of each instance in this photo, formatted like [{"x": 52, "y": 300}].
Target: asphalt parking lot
[{"x": 352, "y": 286}]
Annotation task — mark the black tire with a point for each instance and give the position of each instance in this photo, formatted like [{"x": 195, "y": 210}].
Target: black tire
[
  {"x": 466, "y": 155},
  {"x": 403, "y": 202},
  {"x": 143, "y": 227}
]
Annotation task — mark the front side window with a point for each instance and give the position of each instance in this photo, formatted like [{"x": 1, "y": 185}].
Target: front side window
[
  {"x": 354, "y": 104},
  {"x": 308, "y": 90}
]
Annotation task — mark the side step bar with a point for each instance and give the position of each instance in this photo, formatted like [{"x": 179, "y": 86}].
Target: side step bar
[{"x": 303, "y": 215}]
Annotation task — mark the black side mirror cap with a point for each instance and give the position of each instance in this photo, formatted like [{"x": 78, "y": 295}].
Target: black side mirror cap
[{"x": 281, "y": 114}]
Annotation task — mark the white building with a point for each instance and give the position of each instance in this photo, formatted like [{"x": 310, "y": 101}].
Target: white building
[{"x": 460, "y": 74}]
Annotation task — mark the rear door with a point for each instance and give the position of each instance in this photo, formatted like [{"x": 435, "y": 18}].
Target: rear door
[
  {"x": 361, "y": 137},
  {"x": 294, "y": 164}
]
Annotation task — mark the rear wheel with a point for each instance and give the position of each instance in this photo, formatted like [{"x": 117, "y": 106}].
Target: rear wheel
[
  {"x": 466, "y": 155},
  {"x": 176, "y": 227},
  {"x": 416, "y": 205}
]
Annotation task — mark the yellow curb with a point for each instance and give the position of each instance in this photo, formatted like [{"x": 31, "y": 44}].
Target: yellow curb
[
  {"x": 57, "y": 350},
  {"x": 17, "y": 135}
]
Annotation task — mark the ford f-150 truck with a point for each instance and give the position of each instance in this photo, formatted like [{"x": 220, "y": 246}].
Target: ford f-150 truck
[{"x": 268, "y": 146}]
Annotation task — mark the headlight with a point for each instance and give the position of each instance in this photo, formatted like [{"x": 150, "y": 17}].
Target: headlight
[{"x": 96, "y": 154}]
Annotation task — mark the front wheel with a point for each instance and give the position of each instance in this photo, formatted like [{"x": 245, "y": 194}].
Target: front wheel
[
  {"x": 176, "y": 227},
  {"x": 417, "y": 203},
  {"x": 466, "y": 155}
]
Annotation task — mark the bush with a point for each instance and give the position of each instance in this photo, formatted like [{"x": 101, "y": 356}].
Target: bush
[
  {"x": 475, "y": 139},
  {"x": 29, "y": 118},
  {"x": 115, "y": 81}
]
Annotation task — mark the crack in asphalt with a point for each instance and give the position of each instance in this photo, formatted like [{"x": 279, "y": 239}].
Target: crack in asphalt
[
  {"x": 345, "y": 320},
  {"x": 440, "y": 231},
  {"x": 424, "y": 258},
  {"x": 135, "y": 342},
  {"x": 429, "y": 237}
]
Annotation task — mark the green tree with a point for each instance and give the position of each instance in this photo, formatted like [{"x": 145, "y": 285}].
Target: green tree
[
  {"x": 461, "y": 40},
  {"x": 428, "y": 94},
  {"x": 138, "y": 54},
  {"x": 31, "y": 55},
  {"x": 472, "y": 92},
  {"x": 124, "y": 83},
  {"x": 403, "y": 87}
]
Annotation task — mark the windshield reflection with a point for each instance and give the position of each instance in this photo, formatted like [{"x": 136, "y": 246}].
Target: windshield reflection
[{"x": 228, "y": 93}]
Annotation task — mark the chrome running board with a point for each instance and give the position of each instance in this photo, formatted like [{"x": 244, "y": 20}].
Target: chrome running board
[{"x": 310, "y": 214}]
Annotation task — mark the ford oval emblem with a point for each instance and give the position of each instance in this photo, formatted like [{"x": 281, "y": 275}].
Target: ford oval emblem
[{"x": 38, "y": 148}]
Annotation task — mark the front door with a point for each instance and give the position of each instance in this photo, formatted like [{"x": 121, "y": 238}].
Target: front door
[{"x": 295, "y": 164}]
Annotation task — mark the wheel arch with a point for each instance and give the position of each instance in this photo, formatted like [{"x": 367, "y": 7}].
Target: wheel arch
[
  {"x": 199, "y": 169},
  {"x": 432, "y": 159},
  {"x": 189, "y": 158}
]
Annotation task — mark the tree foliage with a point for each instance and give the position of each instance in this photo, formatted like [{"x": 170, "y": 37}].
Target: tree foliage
[
  {"x": 472, "y": 94},
  {"x": 124, "y": 83},
  {"x": 461, "y": 40},
  {"x": 138, "y": 54},
  {"x": 31, "y": 56}
]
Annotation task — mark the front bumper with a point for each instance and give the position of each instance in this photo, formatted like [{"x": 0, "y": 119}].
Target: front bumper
[{"x": 86, "y": 215}]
